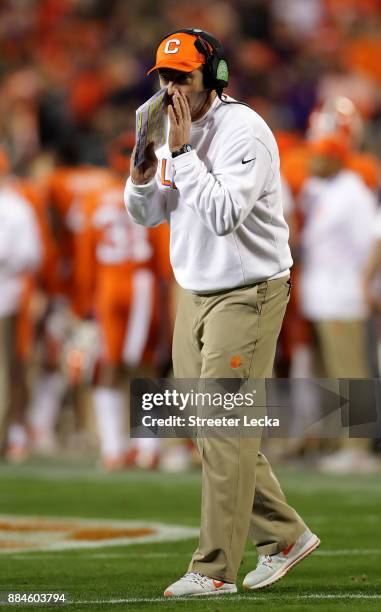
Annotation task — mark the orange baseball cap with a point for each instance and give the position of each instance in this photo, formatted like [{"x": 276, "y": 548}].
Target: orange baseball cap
[
  {"x": 330, "y": 146},
  {"x": 178, "y": 52}
]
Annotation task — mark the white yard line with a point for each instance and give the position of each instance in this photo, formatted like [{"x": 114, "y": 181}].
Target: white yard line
[
  {"x": 166, "y": 600},
  {"x": 164, "y": 555},
  {"x": 154, "y": 555},
  {"x": 238, "y": 597}
]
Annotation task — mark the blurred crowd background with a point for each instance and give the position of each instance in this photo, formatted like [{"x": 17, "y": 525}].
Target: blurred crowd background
[{"x": 72, "y": 73}]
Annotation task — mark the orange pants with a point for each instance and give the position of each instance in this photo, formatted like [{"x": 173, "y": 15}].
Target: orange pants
[{"x": 126, "y": 309}]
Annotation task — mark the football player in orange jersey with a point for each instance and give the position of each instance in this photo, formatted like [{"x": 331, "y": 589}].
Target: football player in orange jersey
[
  {"x": 63, "y": 186},
  {"x": 122, "y": 274},
  {"x": 67, "y": 184}
]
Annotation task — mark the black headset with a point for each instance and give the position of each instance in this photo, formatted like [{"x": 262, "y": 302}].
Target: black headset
[{"x": 215, "y": 69}]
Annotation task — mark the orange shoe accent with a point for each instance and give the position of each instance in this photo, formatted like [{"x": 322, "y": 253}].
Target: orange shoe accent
[
  {"x": 285, "y": 551},
  {"x": 130, "y": 457},
  {"x": 218, "y": 583},
  {"x": 168, "y": 594},
  {"x": 112, "y": 464}
]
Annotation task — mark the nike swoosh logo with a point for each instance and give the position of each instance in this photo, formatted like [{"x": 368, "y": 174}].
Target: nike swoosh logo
[{"x": 246, "y": 161}]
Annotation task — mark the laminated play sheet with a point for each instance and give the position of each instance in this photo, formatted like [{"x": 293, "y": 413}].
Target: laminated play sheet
[{"x": 150, "y": 125}]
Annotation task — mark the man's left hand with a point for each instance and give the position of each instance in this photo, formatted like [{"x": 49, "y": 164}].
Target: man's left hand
[{"x": 179, "y": 121}]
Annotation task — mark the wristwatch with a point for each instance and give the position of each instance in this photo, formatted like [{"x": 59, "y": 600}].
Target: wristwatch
[{"x": 184, "y": 149}]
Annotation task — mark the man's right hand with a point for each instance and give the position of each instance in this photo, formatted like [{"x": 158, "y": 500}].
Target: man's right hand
[{"x": 142, "y": 174}]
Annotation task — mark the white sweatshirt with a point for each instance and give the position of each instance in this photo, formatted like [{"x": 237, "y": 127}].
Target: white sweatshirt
[
  {"x": 222, "y": 200},
  {"x": 340, "y": 213},
  {"x": 20, "y": 247}
]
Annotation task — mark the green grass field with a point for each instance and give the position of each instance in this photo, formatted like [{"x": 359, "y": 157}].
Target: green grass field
[{"x": 344, "y": 574}]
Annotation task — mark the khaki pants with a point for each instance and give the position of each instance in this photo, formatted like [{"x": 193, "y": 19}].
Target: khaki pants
[
  {"x": 233, "y": 334},
  {"x": 5, "y": 351},
  {"x": 342, "y": 348},
  {"x": 13, "y": 389},
  {"x": 342, "y": 353}
]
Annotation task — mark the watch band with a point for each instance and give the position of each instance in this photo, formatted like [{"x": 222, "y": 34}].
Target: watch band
[{"x": 184, "y": 149}]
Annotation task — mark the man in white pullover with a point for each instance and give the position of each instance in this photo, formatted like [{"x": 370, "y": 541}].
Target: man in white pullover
[
  {"x": 216, "y": 181},
  {"x": 20, "y": 257}
]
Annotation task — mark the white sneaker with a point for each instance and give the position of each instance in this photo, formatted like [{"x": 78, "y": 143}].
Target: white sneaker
[
  {"x": 271, "y": 568},
  {"x": 197, "y": 585},
  {"x": 176, "y": 459},
  {"x": 349, "y": 461}
]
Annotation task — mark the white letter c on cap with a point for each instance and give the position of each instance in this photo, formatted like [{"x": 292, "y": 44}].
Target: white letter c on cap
[{"x": 172, "y": 41}]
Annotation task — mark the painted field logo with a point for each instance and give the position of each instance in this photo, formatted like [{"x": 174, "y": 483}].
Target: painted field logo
[{"x": 27, "y": 533}]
